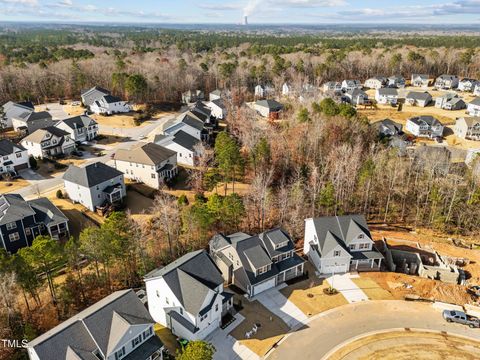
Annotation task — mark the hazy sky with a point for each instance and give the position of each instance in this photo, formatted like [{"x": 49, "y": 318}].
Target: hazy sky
[{"x": 232, "y": 11}]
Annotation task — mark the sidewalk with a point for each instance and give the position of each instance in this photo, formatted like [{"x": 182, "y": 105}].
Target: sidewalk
[{"x": 347, "y": 287}]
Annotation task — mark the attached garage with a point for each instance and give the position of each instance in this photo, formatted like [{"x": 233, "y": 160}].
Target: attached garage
[
  {"x": 335, "y": 268},
  {"x": 268, "y": 284}
]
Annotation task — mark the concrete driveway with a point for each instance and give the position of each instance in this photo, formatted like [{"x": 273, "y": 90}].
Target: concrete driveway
[
  {"x": 286, "y": 310},
  {"x": 227, "y": 347},
  {"x": 347, "y": 287},
  {"x": 333, "y": 328}
]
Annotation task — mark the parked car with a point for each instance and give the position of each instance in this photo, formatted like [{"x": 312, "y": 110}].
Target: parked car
[
  {"x": 75, "y": 103},
  {"x": 461, "y": 318},
  {"x": 474, "y": 290}
]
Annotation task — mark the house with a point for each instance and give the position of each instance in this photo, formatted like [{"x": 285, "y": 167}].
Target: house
[
  {"x": 450, "y": 101},
  {"x": 468, "y": 128},
  {"x": 81, "y": 128},
  {"x": 48, "y": 143},
  {"x": 388, "y": 127},
  {"x": 13, "y": 157},
  {"x": 109, "y": 104},
  {"x": 11, "y": 110},
  {"x": 420, "y": 80},
  {"x": 117, "y": 327},
  {"x": 339, "y": 244},
  {"x": 467, "y": 85},
  {"x": 94, "y": 185},
  {"x": 396, "y": 81},
  {"x": 375, "y": 82},
  {"x": 149, "y": 163},
  {"x": 268, "y": 108},
  {"x": 22, "y": 221},
  {"x": 218, "y": 108},
  {"x": 416, "y": 98},
  {"x": 187, "y": 296},
  {"x": 356, "y": 97},
  {"x": 190, "y": 123},
  {"x": 256, "y": 263},
  {"x": 386, "y": 96},
  {"x": 424, "y": 126},
  {"x": 332, "y": 86},
  {"x": 91, "y": 95},
  {"x": 263, "y": 91},
  {"x": 215, "y": 95},
  {"x": 192, "y": 96},
  {"x": 476, "y": 91},
  {"x": 350, "y": 85},
  {"x": 286, "y": 89},
  {"x": 473, "y": 108},
  {"x": 185, "y": 145},
  {"x": 446, "y": 82},
  {"x": 29, "y": 122}
]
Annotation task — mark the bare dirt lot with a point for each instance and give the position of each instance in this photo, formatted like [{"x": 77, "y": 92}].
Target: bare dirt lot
[
  {"x": 403, "y": 345},
  {"x": 13, "y": 185}
]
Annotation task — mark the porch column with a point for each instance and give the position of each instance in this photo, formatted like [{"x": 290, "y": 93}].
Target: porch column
[
  {"x": 356, "y": 265},
  {"x": 379, "y": 263},
  {"x": 371, "y": 263}
]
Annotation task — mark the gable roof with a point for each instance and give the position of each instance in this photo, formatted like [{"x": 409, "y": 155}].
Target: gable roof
[
  {"x": 389, "y": 124},
  {"x": 388, "y": 91},
  {"x": 110, "y": 99},
  {"x": 335, "y": 231},
  {"x": 421, "y": 76},
  {"x": 470, "y": 120},
  {"x": 272, "y": 105},
  {"x": 92, "y": 328},
  {"x": 144, "y": 153},
  {"x": 77, "y": 122},
  {"x": 191, "y": 278},
  {"x": 29, "y": 116},
  {"x": 7, "y": 147},
  {"x": 425, "y": 119},
  {"x": 185, "y": 140},
  {"x": 91, "y": 95},
  {"x": 417, "y": 95},
  {"x": 90, "y": 175},
  {"x": 38, "y": 135},
  {"x": 475, "y": 101},
  {"x": 447, "y": 77}
]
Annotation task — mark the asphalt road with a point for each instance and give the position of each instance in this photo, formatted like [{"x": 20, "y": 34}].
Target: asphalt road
[{"x": 328, "y": 331}]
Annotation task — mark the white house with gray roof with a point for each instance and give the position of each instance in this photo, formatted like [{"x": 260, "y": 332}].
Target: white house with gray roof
[
  {"x": 450, "y": 101},
  {"x": 48, "y": 143},
  {"x": 376, "y": 82},
  {"x": 91, "y": 95},
  {"x": 14, "y": 110},
  {"x": 187, "y": 296},
  {"x": 81, "y": 128},
  {"x": 117, "y": 327},
  {"x": 420, "y": 80},
  {"x": 218, "y": 108},
  {"x": 446, "y": 82},
  {"x": 468, "y": 128},
  {"x": 396, "y": 81},
  {"x": 29, "y": 121},
  {"x": 256, "y": 263},
  {"x": 424, "y": 126},
  {"x": 13, "y": 157},
  {"x": 332, "y": 86},
  {"x": 348, "y": 85},
  {"x": 386, "y": 96},
  {"x": 417, "y": 98},
  {"x": 149, "y": 163},
  {"x": 467, "y": 85},
  {"x": 476, "y": 90},
  {"x": 109, "y": 104},
  {"x": 268, "y": 108},
  {"x": 94, "y": 185},
  {"x": 185, "y": 145},
  {"x": 339, "y": 244},
  {"x": 473, "y": 108},
  {"x": 356, "y": 97}
]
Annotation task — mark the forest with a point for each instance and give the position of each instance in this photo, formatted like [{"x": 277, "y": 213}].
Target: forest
[{"x": 322, "y": 159}]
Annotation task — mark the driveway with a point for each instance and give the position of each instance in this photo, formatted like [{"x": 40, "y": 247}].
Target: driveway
[
  {"x": 333, "y": 328},
  {"x": 347, "y": 287},
  {"x": 286, "y": 310},
  {"x": 55, "y": 109},
  {"x": 227, "y": 347}
]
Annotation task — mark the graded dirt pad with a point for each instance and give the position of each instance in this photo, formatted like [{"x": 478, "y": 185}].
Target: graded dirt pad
[
  {"x": 372, "y": 289},
  {"x": 13, "y": 185},
  {"x": 406, "y": 345},
  {"x": 271, "y": 329}
]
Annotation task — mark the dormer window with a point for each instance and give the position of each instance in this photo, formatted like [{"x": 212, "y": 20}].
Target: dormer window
[
  {"x": 337, "y": 253},
  {"x": 281, "y": 245}
]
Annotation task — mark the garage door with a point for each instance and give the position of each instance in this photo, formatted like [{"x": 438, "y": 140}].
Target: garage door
[
  {"x": 328, "y": 269},
  {"x": 257, "y": 289}
]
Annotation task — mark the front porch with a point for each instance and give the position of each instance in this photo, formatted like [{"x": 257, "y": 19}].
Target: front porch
[{"x": 366, "y": 261}]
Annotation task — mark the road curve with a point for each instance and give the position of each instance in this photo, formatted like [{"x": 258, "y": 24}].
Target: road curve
[{"x": 335, "y": 327}]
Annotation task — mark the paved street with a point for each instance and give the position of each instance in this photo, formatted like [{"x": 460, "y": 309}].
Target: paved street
[
  {"x": 277, "y": 303},
  {"x": 39, "y": 186},
  {"x": 344, "y": 323},
  {"x": 347, "y": 287}
]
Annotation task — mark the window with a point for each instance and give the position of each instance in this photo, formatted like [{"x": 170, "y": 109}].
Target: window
[
  {"x": 181, "y": 311},
  {"x": 363, "y": 246},
  {"x": 5, "y": 158},
  {"x": 361, "y": 236},
  {"x": 14, "y": 236},
  {"x": 216, "y": 307},
  {"x": 167, "y": 301},
  {"x": 11, "y": 225},
  {"x": 203, "y": 317},
  {"x": 154, "y": 176},
  {"x": 158, "y": 293},
  {"x": 28, "y": 231},
  {"x": 278, "y": 246},
  {"x": 120, "y": 353},
  {"x": 18, "y": 155},
  {"x": 262, "y": 270},
  {"x": 353, "y": 247},
  {"x": 136, "y": 341},
  {"x": 286, "y": 255},
  {"x": 336, "y": 253}
]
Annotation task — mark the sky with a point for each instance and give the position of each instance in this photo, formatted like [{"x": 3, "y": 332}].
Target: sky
[{"x": 232, "y": 11}]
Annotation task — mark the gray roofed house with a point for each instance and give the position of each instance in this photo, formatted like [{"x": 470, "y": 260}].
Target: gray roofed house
[
  {"x": 186, "y": 146},
  {"x": 420, "y": 80},
  {"x": 267, "y": 107},
  {"x": 473, "y": 107},
  {"x": 417, "y": 98},
  {"x": 91, "y": 175},
  {"x": 48, "y": 142},
  {"x": 12, "y": 109},
  {"x": 446, "y": 82},
  {"x": 144, "y": 153},
  {"x": 338, "y": 244},
  {"x": 256, "y": 263},
  {"x": 29, "y": 121},
  {"x": 13, "y": 157},
  {"x": 386, "y": 95},
  {"x": 388, "y": 127},
  {"x": 356, "y": 96},
  {"x": 116, "y": 326},
  {"x": 81, "y": 128},
  {"x": 468, "y": 128},
  {"x": 425, "y": 126},
  {"x": 22, "y": 221},
  {"x": 93, "y": 94},
  {"x": 184, "y": 293}
]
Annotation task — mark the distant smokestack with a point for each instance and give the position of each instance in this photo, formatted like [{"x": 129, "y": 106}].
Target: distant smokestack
[{"x": 245, "y": 20}]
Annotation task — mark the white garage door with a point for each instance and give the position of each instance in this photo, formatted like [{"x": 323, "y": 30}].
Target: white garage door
[
  {"x": 329, "y": 269},
  {"x": 257, "y": 289}
]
